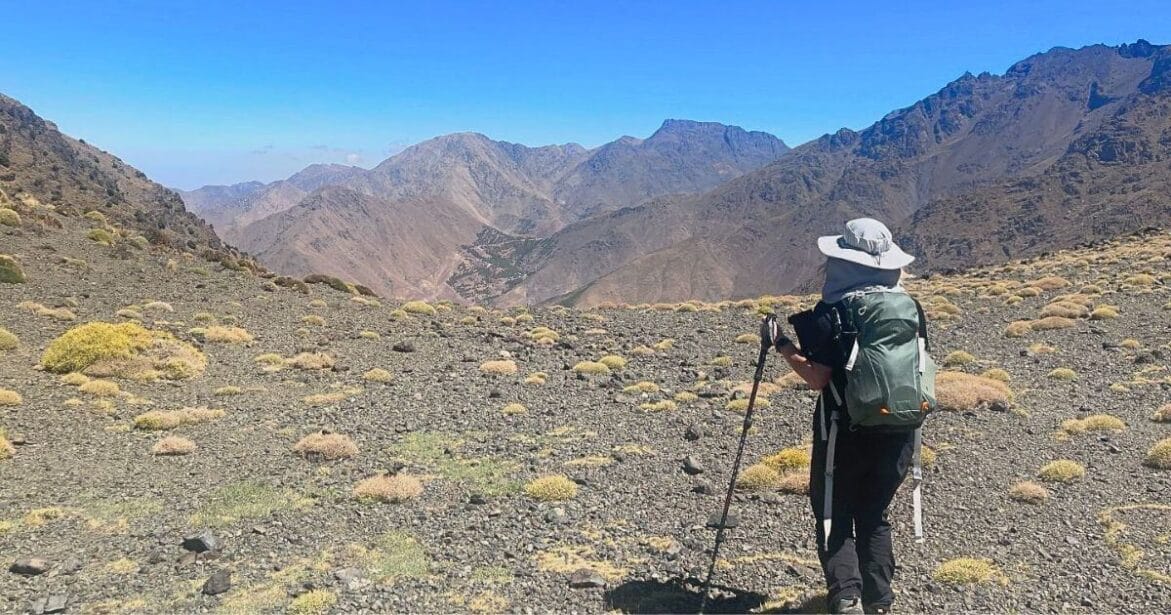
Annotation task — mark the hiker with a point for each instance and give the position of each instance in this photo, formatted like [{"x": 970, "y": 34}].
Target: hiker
[{"x": 866, "y": 428}]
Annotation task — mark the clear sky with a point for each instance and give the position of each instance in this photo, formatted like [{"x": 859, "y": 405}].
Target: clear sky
[{"x": 205, "y": 91}]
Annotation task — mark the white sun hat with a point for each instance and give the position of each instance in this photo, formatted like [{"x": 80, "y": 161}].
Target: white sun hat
[{"x": 867, "y": 242}]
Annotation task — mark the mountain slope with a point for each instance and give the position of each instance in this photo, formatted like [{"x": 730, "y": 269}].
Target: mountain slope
[
  {"x": 38, "y": 161},
  {"x": 968, "y": 139}
]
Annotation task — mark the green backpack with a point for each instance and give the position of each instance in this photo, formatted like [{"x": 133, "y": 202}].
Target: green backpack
[{"x": 890, "y": 377}]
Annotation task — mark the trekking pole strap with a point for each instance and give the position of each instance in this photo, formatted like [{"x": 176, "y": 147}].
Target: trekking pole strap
[
  {"x": 917, "y": 485},
  {"x": 827, "y": 509}
]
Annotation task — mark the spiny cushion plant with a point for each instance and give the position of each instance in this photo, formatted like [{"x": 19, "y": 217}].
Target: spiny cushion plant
[
  {"x": 395, "y": 488},
  {"x": 327, "y": 446},
  {"x": 1062, "y": 471},
  {"x": 663, "y": 405},
  {"x": 592, "y": 368},
  {"x": 514, "y": 408},
  {"x": 1063, "y": 373},
  {"x": 552, "y": 488},
  {"x": 958, "y": 357},
  {"x": 419, "y": 307},
  {"x": 792, "y": 458},
  {"x": 499, "y": 367},
  {"x": 1159, "y": 457},
  {"x": 1163, "y": 414},
  {"x": 1093, "y": 423},
  {"x": 1028, "y": 492},
  {"x": 173, "y": 445},
  {"x": 613, "y": 361},
  {"x": 10, "y": 398},
  {"x": 227, "y": 335},
  {"x": 378, "y": 375},
  {"x": 758, "y": 476},
  {"x": 968, "y": 571},
  {"x": 157, "y": 420},
  {"x": 10, "y": 271},
  {"x": 8, "y": 341},
  {"x": 124, "y": 350},
  {"x": 9, "y": 217},
  {"x": 959, "y": 391}
]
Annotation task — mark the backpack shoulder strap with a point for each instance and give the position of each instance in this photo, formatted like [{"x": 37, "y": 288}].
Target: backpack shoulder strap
[{"x": 922, "y": 325}]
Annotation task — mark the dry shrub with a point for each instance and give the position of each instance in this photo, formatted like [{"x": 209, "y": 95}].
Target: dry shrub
[
  {"x": 537, "y": 378},
  {"x": 10, "y": 271},
  {"x": 313, "y": 320},
  {"x": 1041, "y": 348},
  {"x": 553, "y": 488},
  {"x": 394, "y": 489},
  {"x": 1063, "y": 373},
  {"x": 1028, "y": 492},
  {"x": 158, "y": 306},
  {"x": 310, "y": 361},
  {"x": 419, "y": 307},
  {"x": 958, "y": 357},
  {"x": 591, "y": 368},
  {"x": 965, "y": 571},
  {"x": 998, "y": 374},
  {"x": 741, "y": 405},
  {"x": 544, "y": 335},
  {"x": 1130, "y": 344},
  {"x": 10, "y": 398},
  {"x": 378, "y": 375},
  {"x": 757, "y": 477},
  {"x": 721, "y": 361},
  {"x": 313, "y": 602},
  {"x": 1051, "y": 283},
  {"x": 666, "y": 344},
  {"x": 1062, "y": 471},
  {"x": 74, "y": 379},
  {"x": 173, "y": 445},
  {"x": 8, "y": 341},
  {"x": 157, "y": 420},
  {"x": 1105, "y": 312},
  {"x": 1159, "y": 457},
  {"x": 641, "y": 387},
  {"x": 227, "y": 335},
  {"x": 747, "y": 338},
  {"x": 792, "y": 380},
  {"x": 1142, "y": 279},
  {"x": 663, "y": 405},
  {"x": 959, "y": 391},
  {"x": 1018, "y": 328},
  {"x": 642, "y": 351},
  {"x": 62, "y": 314},
  {"x": 1065, "y": 309},
  {"x": 326, "y": 446},
  {"x": 685, "y": 396},
  {"x": 1163, "y": 414},
  {"x": 791, "y": 458},
  {"x": 270, "y": 361},
  {"x": 500, "y": 368},
  {"x": 794, "y": 482},
  {"x": 324, "y": 399},
  {"x": 9, "y": 217},
  {"x": 7, "y": 451}
]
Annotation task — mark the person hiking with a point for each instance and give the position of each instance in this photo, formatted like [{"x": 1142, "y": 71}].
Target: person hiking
[{"x": 864, "y": 347}]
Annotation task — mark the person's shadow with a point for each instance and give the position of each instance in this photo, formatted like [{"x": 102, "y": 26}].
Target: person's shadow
[{"x": 678, "y": 596}]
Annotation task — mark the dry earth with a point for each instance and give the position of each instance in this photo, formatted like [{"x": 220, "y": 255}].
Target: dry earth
[{"x": 83, "y": 491}]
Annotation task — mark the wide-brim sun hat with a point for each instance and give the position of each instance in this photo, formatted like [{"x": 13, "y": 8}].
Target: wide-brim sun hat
[{"x": 868, "y": 242}]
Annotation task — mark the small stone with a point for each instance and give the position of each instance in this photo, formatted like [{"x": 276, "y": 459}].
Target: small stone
[
  {"x": 713, "y": 521},
  {"x": 71, "y": 566},
  {"x": 53, "y": 603},
  {"x": 555, "y": 515},
  {"x": 477, "y": 499},
  {"x": 998, "y": 406},
  {"x": 694, "y": 432},
  {"x": 201, "y": 542},
  {"x": 1086, "y": 602},
  {"x": 703, "y": 487},
  {"x": 1113, "y": 448},
  {"x": 586, "y": 579},
  {"x": 403, "y": 346},
  {"x": 218, "y": 583},
  {"x": 692, "y": 466},
  {"x": 30, "y": 566},
  {"x": 188, "y": 558},
  {"x": 495, "y": 394}
]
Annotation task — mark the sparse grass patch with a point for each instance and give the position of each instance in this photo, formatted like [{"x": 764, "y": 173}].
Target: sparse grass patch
[
  {"x": 537, "y": 378},
  {"x": 378, "y": 375},
  {"x": 101, "y": 388},
  {"x": 758, "y": 476},
  {"x": 101, "y": 236},
  {"x": 642, "y": 351},
  {"x": 394, "y": 489},
  {"x": 1018, "y": 328},
  {"x": 313, "y": 602},
  {"x": 554, "y": 488},
  {"x": 641, "y": 387},
  {"x": 10, "y": 271},
  {"x": 1105, "y": 312},
  {"x": 1131, "y": 344},
  {"x": 227, "y": 391},
  {"x": 996, "y": 374},
  {"x": 685, "y": 397},
  {"x": 747, "y": 338},
  {"x": 791, "y": 458},
  {"x": 61, "y": 313},
  {"x": 8, "y": 341},
  {"x": 663, "y": 405},
  {"x": 1029, "y": 492},
  {"x": 125, "y": 350},
  {"x": 313, "y": 320},
  {"x": 1062, "y": 471},
  {"x": 591, "y": 368},
  {"x": 959, "y": 391},
  {"x": 1051, "y": 283},
  {"x": 721, "y": 361},
  {"x": 243, "y": 500},
  {"x": 9, "y": 217},
  {"x": 957, "y": 358},
  {"x": 157, "y": 420},
  {"x": 741, "y": 405},
  {"x": 325, "y": 446},
  {"x": 1062, "y": 373},
  {"x": 369, "y": 335},
  {"x": 270, "y": 361},
  {"x": 1041, "y": 348},
  {"x": 514, "y": 408},
  {"x": 1051, "y": 323},
  {"x": 967, "y": 571},
  {"x": 227, "y": 335},
  {"x": 503, "y": 367},
  {"x": 7, "y": 451},
  {"x": 1159, "y": 457},
  {"x": 1142, "y": 279},
  {"x": 665, "y": 344},
  {"x": 173, "y": 445}
]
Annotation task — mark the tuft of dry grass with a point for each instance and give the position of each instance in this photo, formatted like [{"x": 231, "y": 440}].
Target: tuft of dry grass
[
  {"x": 9, "y": 217},
  {"x": 1051, "y": 283},
  {"x": 1163, "y": 414},
  {"x": 613, "y": 361},
  {"x": 1062, "y": 373},
  {"x": 8, "y": 341},
  {"x": 537, "y": 378},
  {"x": 61, "y": 313},
  {"x": 997, "y": 374},
  {"x": 227, "y": 391},
  {"x": 157, "y": 420},
  {"x": 503, "y": 367},
  {"x": 663, "y": 405},
  {"x": 419, "y": 307},
  {"x": 326, "y": 446},
  {"x": 7, "y": 451},
  {"x": 1041, "y": 348},
  {"x": 741, "y": 405},
  {"x": 957, "y": 358},
  {"x": 552, "y": 488},
  {"x": 960, "y": 392},
  {"x": 310, "y": 361},
  {"x": 393, "y": 489},
  {"x": 641, "y": 387},
  {"x": 757, "y": 477},
  {"x": 1062, "y": 471},
  {"x": 10, "y": 271},
  {"x": 1018, "y": 328},
  {"x": 100, "y": 388},
  {"x": 1029, "y": 492},
  {"x": 10, "y": 398},
  {"x": 74, "y": 379},
  {"x": 173, "y": 445},
  {"x": 313, "y": 320},
  {"x": 313, "y": 602},
  {"x": 378, "y": 375},
  {"x": 1064, "y": 309},
  {"x": 1159, "y": 457},
  {"x": 791, "y": 458},
  {"x": 1051, "y": 323},
  {"x": 514, "y": 408},
  {"x": 1093, "y": 423},
  {"x": 1105, "y": 312}
]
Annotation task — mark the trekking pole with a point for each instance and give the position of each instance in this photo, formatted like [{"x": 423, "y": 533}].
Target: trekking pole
[{"x": 768, "y": 333}]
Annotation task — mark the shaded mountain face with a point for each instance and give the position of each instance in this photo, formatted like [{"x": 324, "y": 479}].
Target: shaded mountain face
[
  {"x": 37, "y": 161},
  {"x": 1065, "y": 146},
  {"x": 468, "y": 181}
]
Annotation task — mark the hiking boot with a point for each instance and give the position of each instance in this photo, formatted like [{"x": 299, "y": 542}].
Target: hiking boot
[{"x": 849, "y": 605}]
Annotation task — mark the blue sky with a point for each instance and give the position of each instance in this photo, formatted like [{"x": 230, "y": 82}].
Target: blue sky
[{"x": 216, "y": 92}]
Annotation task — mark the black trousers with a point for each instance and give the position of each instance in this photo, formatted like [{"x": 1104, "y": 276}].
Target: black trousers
[{"x": 857, "y": 556}]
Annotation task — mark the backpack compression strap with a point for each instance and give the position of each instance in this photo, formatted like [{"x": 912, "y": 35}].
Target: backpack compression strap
[{"x": 917, "y": 457}]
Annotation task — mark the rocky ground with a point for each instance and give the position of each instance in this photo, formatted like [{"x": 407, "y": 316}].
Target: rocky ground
[{"x": 267, "y": 529}]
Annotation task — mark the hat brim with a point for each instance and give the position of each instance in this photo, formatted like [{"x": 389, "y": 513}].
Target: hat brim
[{"x": 894, "y": 258}]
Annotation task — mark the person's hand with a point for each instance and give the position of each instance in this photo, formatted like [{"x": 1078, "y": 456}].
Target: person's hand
[{"x": 814, "y": 374}]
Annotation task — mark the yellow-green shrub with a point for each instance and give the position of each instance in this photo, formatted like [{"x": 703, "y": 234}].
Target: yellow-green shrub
[
  {"x": 10, "y": 398},
  {"x": 958, "y": 357},
  {"x": 592, "y": 368},
  {"x": 758, "y": 476},
  {"x": 1159, "y": 457},
  {"x": 394, "y": 489},
  {"x": 10, "y": 271},
  {"x": 966, "y": 570},
  {"x": 419, "y": 307},
  {"x": 552, "y": 488},
  {"x": 613, "y": 362},
  {"x": 1062, "y": 471},
  {"x": 8, "y": 341},
  {"x": 9, "y": 217}
]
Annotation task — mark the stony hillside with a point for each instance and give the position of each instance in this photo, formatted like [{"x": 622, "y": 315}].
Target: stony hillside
[
  {"x": 493, "y": 186},
  {"x": 1062, "y": 138},
  {"x": 229, "y": 445}
]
